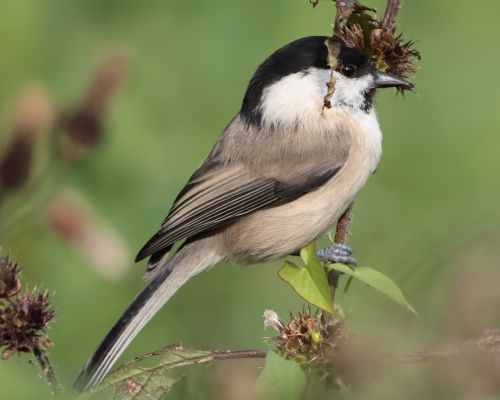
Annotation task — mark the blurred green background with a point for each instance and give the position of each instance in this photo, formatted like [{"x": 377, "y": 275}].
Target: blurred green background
[{"x": 429, "y": 218}]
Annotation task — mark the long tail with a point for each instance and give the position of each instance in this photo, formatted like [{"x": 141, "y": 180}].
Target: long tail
[{"x": 189, "y": 261}]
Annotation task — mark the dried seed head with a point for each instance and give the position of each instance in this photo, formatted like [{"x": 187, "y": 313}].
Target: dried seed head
[
  {"x": 73, "y": 219},
  {"x": 34, "y": 111},
  {"x": 84, "y": 125},
  {"x": 316, "y": 345},
  {"x": 15, "y": 164},
  {"x": 32, "y": 114},
  {"x": 303, "y": 336},
  {"x": 353, "y": 36},
  {"x": 23, "y": 321},
  {"x": 390, "y": 52},
  {"x": 10, "y": 284}
]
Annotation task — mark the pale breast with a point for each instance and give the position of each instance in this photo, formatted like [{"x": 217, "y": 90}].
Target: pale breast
[{"x": 278, "y": 231}]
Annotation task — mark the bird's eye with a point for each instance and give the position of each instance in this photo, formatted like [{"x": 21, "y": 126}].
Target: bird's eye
[{"x": 348, "y": 70}]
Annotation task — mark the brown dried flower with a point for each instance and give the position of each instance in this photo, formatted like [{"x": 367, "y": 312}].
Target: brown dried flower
[
  {"x": 84, "y": 125},
  {"x": 10, "y": 284},
  {"x": 33, "y": 113},
  {"x": 393, "y": 54},
  {"x": 23, "y": 321},
  {"x": 353, "y": 36},
  {"x": 72, "y": 218},
  {"x": 390, "y": 52},
  {"x": 15, "y": 165},
  {"x": 307, "y": 339}
]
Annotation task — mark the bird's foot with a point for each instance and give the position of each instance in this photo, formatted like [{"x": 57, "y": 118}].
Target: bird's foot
[{"x": 337, "y": 253}]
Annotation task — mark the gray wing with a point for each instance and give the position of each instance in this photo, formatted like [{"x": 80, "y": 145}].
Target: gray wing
[{"x": 233, "y": 182}]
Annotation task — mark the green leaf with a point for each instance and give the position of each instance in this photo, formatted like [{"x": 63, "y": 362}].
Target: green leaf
[
  {"x": 281, "y": 379},
  {"x": 134, "y": 381},
  {"x": 376, "y": 280},
  {"x": 308, "y": 254},
  {"x": 311, "y": 282}
]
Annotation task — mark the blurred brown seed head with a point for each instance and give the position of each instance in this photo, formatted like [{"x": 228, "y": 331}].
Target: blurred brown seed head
[
  {"x": 15, "y": 165},
  {"x": 84, "y": 127},
  {"x": 33, "y": 114},
  {"x": 73, "y": 219},
  {"x": 23, "y": 321},
  {"x": 10, "y": 283},
  {"x": 34, "y": 111},
  {"x": 67, "y": 219},
  {"x": 106, "y": 81},
  {"x": 84, "y": 124}
]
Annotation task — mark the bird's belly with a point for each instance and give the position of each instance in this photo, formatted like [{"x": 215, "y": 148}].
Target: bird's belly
[{"x": 279, "y": 231}]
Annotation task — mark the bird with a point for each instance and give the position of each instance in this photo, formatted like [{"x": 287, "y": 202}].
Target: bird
[{"x": 280, "y": 175}]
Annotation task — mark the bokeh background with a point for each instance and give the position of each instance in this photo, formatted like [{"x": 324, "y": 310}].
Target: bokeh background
[{"x": 429, "y": 218}]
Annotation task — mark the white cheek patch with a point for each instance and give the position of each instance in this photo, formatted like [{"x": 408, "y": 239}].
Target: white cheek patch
[
  {"x": 295, "y": 97},
  {"x": 300, "y": 96}
]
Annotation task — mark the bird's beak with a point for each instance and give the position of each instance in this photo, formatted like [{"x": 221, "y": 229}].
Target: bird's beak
[{"x": 385, "y": 80}]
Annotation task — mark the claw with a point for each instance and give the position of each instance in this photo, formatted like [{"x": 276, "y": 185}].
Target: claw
[{"x": 337, "y": 253}]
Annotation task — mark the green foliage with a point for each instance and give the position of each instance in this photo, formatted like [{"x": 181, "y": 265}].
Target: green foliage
[
  {"x": 134, "y": 381},
  {"x": 310, "y": 281},
  {"x": 281, "y": 379},
  {"x": 376, "y": 280}
]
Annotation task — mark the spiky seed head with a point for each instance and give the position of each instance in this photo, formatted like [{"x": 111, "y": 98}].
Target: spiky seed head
[{"x": 23, "y": 321}]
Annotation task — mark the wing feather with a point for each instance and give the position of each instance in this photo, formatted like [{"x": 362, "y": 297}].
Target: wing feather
[{"x": 223, "y": 198}]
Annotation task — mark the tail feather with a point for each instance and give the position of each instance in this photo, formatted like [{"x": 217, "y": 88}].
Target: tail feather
[{"x": 189, "y": 261}]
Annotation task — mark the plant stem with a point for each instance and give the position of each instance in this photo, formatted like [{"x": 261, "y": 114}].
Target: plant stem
[
  {"x": 46, "y": 366},
  {"x": 231, "y": 354},
  {"x": 391, "y": 11},
  {"x": 341, "y": 234},
  {"x": 343, "y": 226},
  {"x": 346, "y": 3}
]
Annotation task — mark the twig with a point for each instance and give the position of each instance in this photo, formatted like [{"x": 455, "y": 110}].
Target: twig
[
  {"x": 343, "y": 226},
  {"x": 234, "y": 354},
  {"x": 215, "y": 355},
  {"x": 346, "y": 3},
  {"x": 341, "y": 234},
  {"x": 391, "y": 11},
  {"x": 47, "y": 369}
]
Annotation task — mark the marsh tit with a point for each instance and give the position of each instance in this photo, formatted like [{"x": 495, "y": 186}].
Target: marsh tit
[{"x": 279, "y": 177}]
